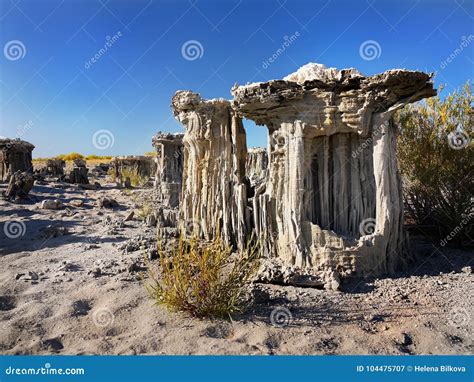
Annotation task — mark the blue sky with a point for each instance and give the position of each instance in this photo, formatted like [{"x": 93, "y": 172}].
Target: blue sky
[{"x": 52, "y": 95}]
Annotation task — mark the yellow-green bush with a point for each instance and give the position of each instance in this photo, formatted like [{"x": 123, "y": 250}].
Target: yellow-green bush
[
  {"x": 98, "y": 157},
  {"x": 204, "y": 279},
  {"x": 435, "y": 155},
  {"x": 70, "y": 156}
]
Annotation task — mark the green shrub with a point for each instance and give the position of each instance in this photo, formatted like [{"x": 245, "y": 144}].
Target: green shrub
[
  {"x": 136, "y": 179},
  {"x": 204, "y": 279},
  {"x": 435, "y": 155}
]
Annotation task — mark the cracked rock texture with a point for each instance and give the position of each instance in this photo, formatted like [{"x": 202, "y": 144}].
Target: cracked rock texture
[
  {"x": 15, "y": 155},
  {"x": 256, "y": 165},
  {"x": 214, "y": 195},
  {"x": 332, "y": 198}
]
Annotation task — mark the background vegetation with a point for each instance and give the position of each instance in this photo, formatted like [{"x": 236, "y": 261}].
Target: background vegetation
[{"x": 435, "y": 155}]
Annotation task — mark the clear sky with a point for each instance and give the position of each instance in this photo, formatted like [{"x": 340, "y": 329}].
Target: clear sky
[{"x": 53, "y": 95}]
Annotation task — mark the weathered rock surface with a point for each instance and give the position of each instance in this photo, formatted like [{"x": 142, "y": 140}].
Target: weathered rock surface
[
  {"x": 332, "y": 198},
  {"x": 214, "y": 189},
  {"x": 169, "y": 172},
  {"x": 55, "y": 167},
  {"x": 256, "y": 165},
  {"x": 15, "y": 155},
  {"x": 78, "y": 175},
  {"x": 19, "y": 186},
  {"x": 104, "y": 202},
  {"x": 51, "y": 204}
]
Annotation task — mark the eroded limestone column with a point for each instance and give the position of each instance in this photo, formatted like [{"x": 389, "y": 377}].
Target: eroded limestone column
[
  {"x": 169, "y": 173},
  {"x": 214, "y": 189}
]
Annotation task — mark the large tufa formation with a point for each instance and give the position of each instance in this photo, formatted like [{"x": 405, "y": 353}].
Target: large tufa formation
[
  {"x": 214, "y": 195},
  {"x": 15, "y": 155},
  {"x": 169, "y": 169},
  {"x": 332, "y": 201}
]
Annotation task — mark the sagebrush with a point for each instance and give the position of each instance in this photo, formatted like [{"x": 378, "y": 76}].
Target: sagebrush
[{"x": 204, "y": 279}]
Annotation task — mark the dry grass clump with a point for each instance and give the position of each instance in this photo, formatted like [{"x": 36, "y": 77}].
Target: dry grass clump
[
  {"x": 145, "y": 209},
  {"x": 204, "y": 279}
]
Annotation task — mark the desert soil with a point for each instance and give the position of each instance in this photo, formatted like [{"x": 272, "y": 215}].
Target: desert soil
[{"x": 70, "y": 284}]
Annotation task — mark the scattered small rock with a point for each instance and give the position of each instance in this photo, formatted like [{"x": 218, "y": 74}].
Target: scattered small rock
[
  {"x": 52, "y": 231},
  {"x": 104, "y": 202},
  {"x": 33, "y": 276},
  {"x": 219, "y": 331},
  {"x": 69, "y": 267},
  {"x": 76, "y": 203},
  {"x": 51, "y": 204},
  {"x": 53, "y": 344},
  {"x": 7, "y": 303},
  {"x": 81, "y": 308},
  {"x": 134, "y": 267},
  {"x": 97, "y": 272},
  {"x": 129, "y": 216}
]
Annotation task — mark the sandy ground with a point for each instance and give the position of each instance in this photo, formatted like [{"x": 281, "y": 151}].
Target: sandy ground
[{"x": 81, "y": 293}]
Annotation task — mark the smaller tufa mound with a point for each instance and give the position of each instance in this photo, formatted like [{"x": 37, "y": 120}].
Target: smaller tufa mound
[
  {"x": 15, "y": 155},
  {"x": 169, "y": 169}
]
